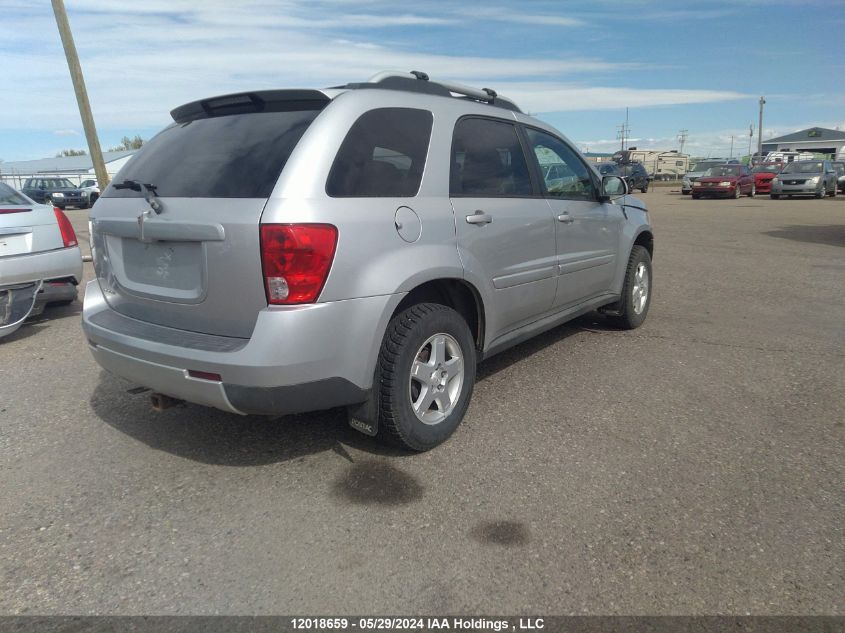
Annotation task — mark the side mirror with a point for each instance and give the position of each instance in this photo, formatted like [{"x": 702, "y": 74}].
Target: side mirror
[{"x": 612, "y": 187}]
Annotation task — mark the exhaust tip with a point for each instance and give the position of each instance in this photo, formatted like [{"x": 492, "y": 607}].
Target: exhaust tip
[{"x": 160, "y": 402}]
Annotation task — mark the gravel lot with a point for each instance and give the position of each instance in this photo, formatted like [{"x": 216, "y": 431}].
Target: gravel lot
[{"x": 692, "y": 466}]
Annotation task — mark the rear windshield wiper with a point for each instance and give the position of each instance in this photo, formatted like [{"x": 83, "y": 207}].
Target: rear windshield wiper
[{"x": 148, "y": 189}]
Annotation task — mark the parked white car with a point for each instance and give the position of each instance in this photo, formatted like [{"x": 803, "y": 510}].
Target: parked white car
[
  {"x": 90, "y": 190},
  {"x": 40, "y": 261}
]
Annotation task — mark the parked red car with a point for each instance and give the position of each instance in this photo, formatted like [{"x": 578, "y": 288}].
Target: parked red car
[
  {"x": 729, "y": 180},
  {"x": 763, "y": 174}
]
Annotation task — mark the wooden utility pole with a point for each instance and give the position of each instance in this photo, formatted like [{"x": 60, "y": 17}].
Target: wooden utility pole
[
  {"x": 760, "y": 129},
  {"x": 81, "y": 94}
]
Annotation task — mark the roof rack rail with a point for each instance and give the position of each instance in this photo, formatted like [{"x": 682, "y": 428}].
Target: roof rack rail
[{"x": 418, "y": 81}]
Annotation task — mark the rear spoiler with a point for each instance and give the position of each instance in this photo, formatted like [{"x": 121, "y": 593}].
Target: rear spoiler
[{"x": 248, "y": 102}]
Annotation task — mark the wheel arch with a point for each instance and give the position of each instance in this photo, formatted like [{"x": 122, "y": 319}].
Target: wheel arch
[
  {"x": 645, "y": 238},
  {"x": 456, "y": 293}
]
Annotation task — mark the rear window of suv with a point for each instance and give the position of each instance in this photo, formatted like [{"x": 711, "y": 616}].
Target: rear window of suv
[{"x": 234, "y": 156}]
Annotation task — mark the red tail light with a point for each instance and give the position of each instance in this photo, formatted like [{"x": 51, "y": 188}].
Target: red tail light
[
  {"x": 296, "y": 259},
  {"x": 68, "y": 234}
]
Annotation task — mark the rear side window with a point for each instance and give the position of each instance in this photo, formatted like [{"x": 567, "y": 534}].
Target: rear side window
[
  {"x": 487, "y": 160},
  {"x": 234, "y": 156},
  {"x": 10, "y": 196},
  {"x": 383, "y": 155}
]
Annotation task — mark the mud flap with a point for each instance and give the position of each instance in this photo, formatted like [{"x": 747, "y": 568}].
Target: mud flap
[
  {"x": 16, "y": 304},
  {"x": 364, "y": 417}
]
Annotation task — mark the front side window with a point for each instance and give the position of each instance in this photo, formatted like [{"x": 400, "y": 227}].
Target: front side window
[
  {"x": 564, "y": 174},
  {"x": 488, "y": 161},
  {"x": 383, "y": 155}
]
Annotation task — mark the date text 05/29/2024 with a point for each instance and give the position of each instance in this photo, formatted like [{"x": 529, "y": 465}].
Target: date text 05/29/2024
[{"x": 415, "y": 624}]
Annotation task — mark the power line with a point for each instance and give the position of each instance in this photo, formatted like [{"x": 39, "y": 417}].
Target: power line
[{"x": 682, "y": 138}]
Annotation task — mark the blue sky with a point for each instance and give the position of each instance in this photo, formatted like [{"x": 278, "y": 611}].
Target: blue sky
[{"x": 700, "y": 66}]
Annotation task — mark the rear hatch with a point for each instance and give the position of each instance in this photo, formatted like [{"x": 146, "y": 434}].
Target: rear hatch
[
  {"x": 26, "y": 227},
  {"x": 196, "y": 264}
]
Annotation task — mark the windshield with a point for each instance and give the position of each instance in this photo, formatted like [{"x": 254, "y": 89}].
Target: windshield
[
  {"x": 722, "y": 170},
  {"x": 10, "y": 196},
  {"x": 704, "y": 165},
  {"x": 771, "y": 168},
  {"x": 803, "y": 167}
]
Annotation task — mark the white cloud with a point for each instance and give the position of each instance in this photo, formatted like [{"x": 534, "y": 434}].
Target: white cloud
[
  {"x": 67, "y": 132},
  {"x": 549, "y": 97},
  {"x": 520, "y": 17}
]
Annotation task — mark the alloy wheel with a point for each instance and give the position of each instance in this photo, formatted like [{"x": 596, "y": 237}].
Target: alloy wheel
[{"x": 437, "y": 377}]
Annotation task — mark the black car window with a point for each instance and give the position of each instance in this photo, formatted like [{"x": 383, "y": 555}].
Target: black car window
[
  {"x": 548, "y": 150},
  {"x": 230, "y": 156},
  {"x": 487, "y": 160},
  {"x": 383, "y": 155}
]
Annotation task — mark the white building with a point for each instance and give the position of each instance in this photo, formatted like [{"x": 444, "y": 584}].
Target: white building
[
  {"x": 74, "y": 168},
  {"x": 817, "y": 140}
]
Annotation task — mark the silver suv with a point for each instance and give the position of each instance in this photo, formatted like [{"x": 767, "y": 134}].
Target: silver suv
[{"x": 363, "y": 246}]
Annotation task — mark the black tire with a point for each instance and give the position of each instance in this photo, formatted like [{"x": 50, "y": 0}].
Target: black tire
[
  {"x": 94, "y": 197},
  {"x": 685, "y": 193},
  {"x": 644, "y": 188},
  {"x": 696, "y": 196},
  {"x": 407, "y": 332},
  {"x": 627, "y": 318},
  {"x": 774, "y": 196},
  {"x": 738, "y": 192},
  {"x": 753, "y": 191}
]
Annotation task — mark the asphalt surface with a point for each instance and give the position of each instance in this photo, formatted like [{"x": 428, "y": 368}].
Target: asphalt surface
[{"x": 693, "y": 466}]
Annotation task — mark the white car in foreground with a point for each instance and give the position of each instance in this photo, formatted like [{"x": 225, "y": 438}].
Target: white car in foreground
[{"x": 40, "y": 261}]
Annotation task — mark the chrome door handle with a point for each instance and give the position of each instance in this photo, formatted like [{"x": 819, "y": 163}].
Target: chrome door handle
[
  {"x": 565, "y": 218},
  {"x": 479, "y": 217}
]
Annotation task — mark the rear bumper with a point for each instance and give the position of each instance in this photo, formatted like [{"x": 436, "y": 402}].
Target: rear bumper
[
  {"x": 62, "y": 262},
  {"x": 299, "y": 358}
]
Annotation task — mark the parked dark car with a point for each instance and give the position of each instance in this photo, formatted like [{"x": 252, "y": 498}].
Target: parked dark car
[
  {"x": 59, "y": 192},
  {"x": 612, "y": 169},
  {"x": 728, "y": 180},
  {"x": 635, "y": 175},
  {"x": 763, "y": 174}
]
